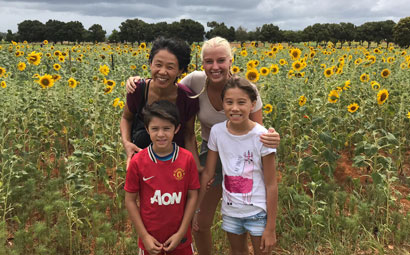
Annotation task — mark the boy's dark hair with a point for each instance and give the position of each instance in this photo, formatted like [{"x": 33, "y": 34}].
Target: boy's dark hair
[
  {"x": 178, "y": 47},
  {"x": 241, "y": 83},
  {"x": 162, "y": 109}
]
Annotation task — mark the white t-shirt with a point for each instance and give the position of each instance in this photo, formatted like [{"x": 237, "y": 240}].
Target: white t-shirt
[
  {"x": 244, "y": 192},
  {"x": 208, "y": 115}
]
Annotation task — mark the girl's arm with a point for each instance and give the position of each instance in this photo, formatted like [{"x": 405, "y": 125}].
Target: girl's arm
[
  {"x": 150, "y": 243},
  {"x": 125, "y": 128},
  {"x": 176, "y": 238},
  {"x": 190, "y": 141},
  {"x": 268, "y": 239},
  {"x": 270, "y": 139},
  {"x": 206, "y": 175}
]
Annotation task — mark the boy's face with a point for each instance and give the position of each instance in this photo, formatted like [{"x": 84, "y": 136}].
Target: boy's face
[{"x": 161, "y": 132}]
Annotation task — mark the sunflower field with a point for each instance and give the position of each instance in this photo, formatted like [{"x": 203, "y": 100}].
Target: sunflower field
[{"x": 343, "y": 113}]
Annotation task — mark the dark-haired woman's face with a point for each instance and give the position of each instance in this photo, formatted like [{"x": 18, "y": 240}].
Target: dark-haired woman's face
[{"x": 164, "y": 68}]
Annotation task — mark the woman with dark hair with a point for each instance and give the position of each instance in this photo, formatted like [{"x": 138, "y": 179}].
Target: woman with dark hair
[{"x": 168, "y": 59}]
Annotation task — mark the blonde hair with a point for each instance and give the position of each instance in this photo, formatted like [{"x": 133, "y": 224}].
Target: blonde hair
[
  {"x": 217, "y": 42},
  {"x": 210, "y": 44}
]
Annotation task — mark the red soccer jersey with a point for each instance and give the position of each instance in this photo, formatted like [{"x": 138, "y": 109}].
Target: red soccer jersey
[{"x": 163, "y": 187}]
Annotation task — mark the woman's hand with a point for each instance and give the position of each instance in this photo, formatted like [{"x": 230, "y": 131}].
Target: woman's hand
[
  {"x": 271, "y": 139},
  {"x": 130, "y": 149},
  {"x": 131, "y": 84}
]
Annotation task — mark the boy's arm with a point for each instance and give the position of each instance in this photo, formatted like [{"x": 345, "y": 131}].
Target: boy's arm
[
  {"x": 176, "y": 238},
  {"x": 207, "y": 174},
  {"x": 150, "y": 243},
  {"x": 268, "y": 239}
]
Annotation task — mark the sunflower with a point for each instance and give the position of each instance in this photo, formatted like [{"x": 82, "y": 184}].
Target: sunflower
[
  {"x": 274, "y": 69},
  {"x": 250, "y": 64},
  {"x": 57, "y": 53},
  {"x": 56, "y": 67},
  {"x": 116, "y": 101},
  {"x": 403, "y": 65},
  {"x": 364, "y": 77},
  {"x": 3, "y": 84},
  {"x": 110, "y": 83},
  {"x": 2, "y": 71},
  {"x": 333, "y": 96},
  {"x": 375, "y": 85},
  {"x": 353, "y": 107},
  {"x": 235, "y": 69},
  {"x": 147, "y": 56},
  {"x": 328, "y": 72},
  {"x": 408, "y": 115},
  {"x": 143, "y": 46},
  {"x": 34, "y": 58},
  {"x": 144, "y": 67},
  {"x": 46, "y": 81},
  {"x": 252, "y": 75},
  {"x": 244, "y": 53},
  {"x": 121, "y": 104},
  {"x": 21, "y": 66},
  {"x": 61, "y": 59},
  {"x": 104, "y": 69},
  {"x": 108, "y": 90},
  {"x": 56, "y": 77},
  {"x": 295, "y": 53},
  {"x": 385, "y": 73},
  {"x": 382, "y": 96},
  {"x": 268, "y": 108},
  {"x": 270, "y": 54},
  {"x": 282, "y": 62},
  {"x": 72, "y": 83},
  {"x": 312, "y": 54},
  {"x": 264, "y": 71},
  {"x": 347, "y": 85},
  {"x": 256, "y": 63},
  {"x": 133, "y": 67},
  {"x": 302, "y": 100},
  {"x": 297, "y": 65},
  {"x": 390, "y": 59}
]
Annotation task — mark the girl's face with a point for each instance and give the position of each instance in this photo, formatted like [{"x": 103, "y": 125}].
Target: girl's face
[
  {"x": 237, "y": 105},
  {"x": 164, "y": 68},
  {"x": 217, "y": 63}
]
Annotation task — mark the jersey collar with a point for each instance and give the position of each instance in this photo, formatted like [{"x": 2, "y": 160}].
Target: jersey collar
[{"x": 154, "y": 159}]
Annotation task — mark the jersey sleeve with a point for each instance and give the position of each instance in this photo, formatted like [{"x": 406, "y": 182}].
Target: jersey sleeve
[{"x": 132, "y": 177}]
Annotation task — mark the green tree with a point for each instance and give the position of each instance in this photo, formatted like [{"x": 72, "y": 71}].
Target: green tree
[
  {"x": 114, "y": 37},
  {"x": 10, "y": 36},
  {"x": 220, "y": 29},
  {"x": 31, "y": 31},
  {"x": 401, "y": 32},
  {"x": 74, "y": 31},
  {"x": 55, "y": 30},
  {"x": 134, "y": 30},
  {"x": 241, "y": 34},
  {"x": 96, "y": 33},
  {"x": 270, "y": 33}
]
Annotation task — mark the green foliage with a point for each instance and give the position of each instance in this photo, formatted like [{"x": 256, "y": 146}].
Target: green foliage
[{"x": 401, "y": 32}]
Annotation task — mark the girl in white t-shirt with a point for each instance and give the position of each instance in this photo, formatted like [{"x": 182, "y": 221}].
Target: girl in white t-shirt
[{"x": 250, "y": 191}]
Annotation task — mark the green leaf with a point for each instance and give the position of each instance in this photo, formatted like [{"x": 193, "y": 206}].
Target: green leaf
[
  {"x": 317, "y": 121},
  {"x": 359, "y": 161},
  {"x": 325, "y": 137},
  {"x": 330, "y": 156},
  {"x": 392, "y": 139},
  {"x": 370, "y": 149},
  {"x": 377, "y": 178}
]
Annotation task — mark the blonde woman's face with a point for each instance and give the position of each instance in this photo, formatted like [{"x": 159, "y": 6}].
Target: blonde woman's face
[{"x": 217, "y": 63}]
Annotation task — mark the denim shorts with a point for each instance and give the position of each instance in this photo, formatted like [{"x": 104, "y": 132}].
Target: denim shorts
[
  {"x": 218, "y": 167},
  {"x": 254, "y": 224}
]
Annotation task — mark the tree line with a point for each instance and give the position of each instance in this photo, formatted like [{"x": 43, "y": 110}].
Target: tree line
[{"x": 136, "y": 30}]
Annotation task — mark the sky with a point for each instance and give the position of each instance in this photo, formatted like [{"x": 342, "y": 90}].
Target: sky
[{"x": 249, "y": 14}]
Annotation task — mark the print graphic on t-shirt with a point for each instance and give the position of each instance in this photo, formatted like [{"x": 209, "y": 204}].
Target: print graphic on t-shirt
[
  {"x": 147, "y": 178},
  {"x": 242, "y": 183},
  {"x": 166, "y": 198}
]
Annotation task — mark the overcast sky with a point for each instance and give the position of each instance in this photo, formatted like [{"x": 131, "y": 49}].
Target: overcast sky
[{"x": 287, "y": 14}]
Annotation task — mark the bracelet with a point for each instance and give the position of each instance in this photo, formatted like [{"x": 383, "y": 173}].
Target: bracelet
[{"x": 197, "y": 211}]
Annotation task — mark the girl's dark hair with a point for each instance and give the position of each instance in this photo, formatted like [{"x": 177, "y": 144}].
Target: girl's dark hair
[
  {"x": 162, "y": 109},
  {"x": 241, "y": 83},
  {"x": 178, "y": 47}
]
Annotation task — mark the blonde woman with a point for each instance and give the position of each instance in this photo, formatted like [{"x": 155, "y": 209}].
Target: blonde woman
[{"x": 217, "y": 58}]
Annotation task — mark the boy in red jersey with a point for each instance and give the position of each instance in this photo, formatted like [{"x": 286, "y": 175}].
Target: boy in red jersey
[{"x": 164, "y": 176}]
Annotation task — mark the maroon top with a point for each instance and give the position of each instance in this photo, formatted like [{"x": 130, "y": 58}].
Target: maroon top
[{"x": 187, "y": 107}]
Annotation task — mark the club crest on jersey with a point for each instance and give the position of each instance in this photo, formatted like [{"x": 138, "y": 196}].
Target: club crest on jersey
[{"x": 179, "y": 174}]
